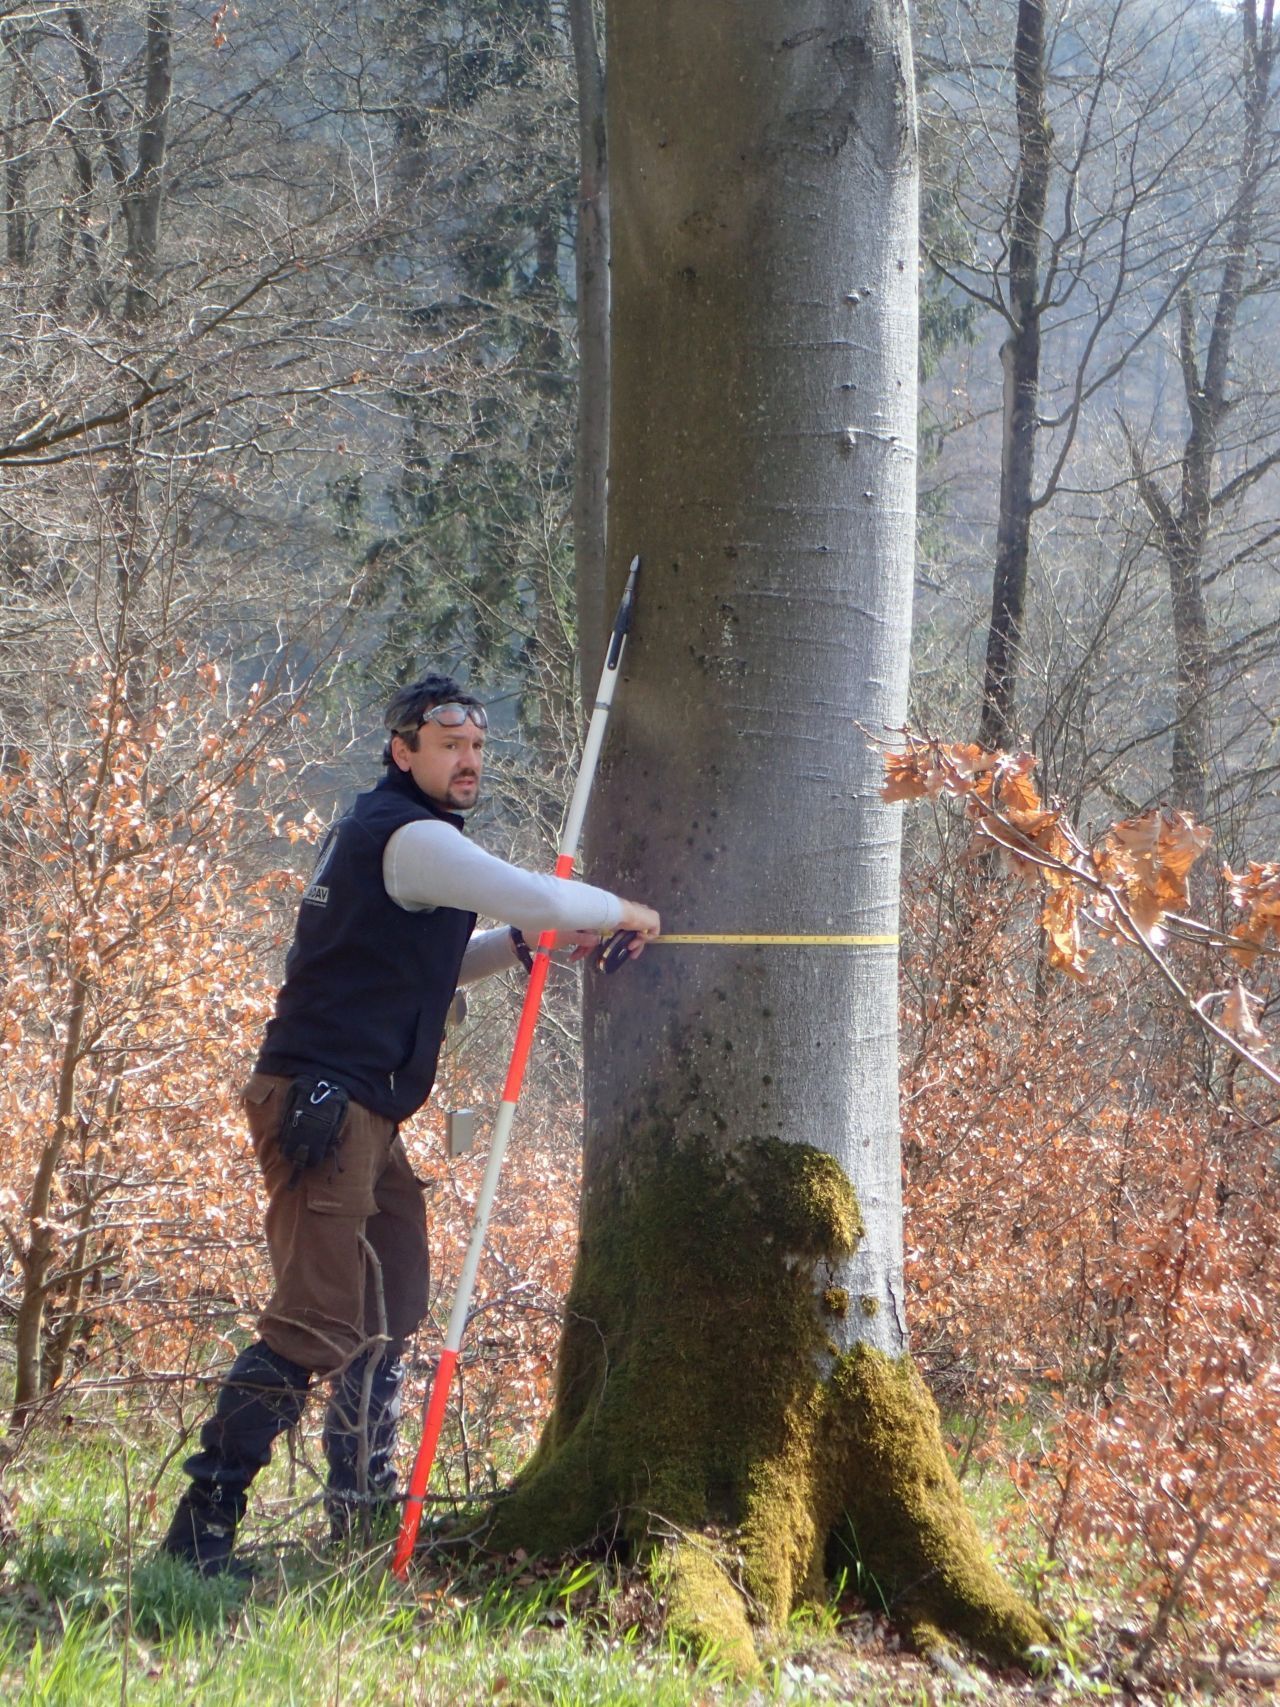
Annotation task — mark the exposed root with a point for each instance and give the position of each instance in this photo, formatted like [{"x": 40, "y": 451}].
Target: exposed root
[{"x": 703, "y": 1606}]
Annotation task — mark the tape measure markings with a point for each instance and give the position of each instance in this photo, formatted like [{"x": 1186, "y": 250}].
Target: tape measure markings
[{"x": 780, "y": 941}]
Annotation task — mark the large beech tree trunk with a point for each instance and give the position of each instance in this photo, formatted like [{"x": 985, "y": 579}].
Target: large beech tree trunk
[{"x": 733, "y": 1369}]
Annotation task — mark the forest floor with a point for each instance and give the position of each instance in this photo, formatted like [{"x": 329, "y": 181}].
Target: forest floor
[{"x": 89, "y": 1614}]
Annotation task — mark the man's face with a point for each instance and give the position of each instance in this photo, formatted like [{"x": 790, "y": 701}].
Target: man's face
[{"x": 446, "y": 765}]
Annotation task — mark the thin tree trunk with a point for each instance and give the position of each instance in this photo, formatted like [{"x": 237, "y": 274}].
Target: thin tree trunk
[
  {"x": 146, "y": 183},
  {"x": 53, "y": 1359},
  {"x": 41, "y": 1244},
  {"x": 140, "y": 192},
  {"x": 98, "y": 104},
  {"x": 1183, "y": 533},
  {"x": 20, "y": 226},
  {"x": 1207, "y": 405},
  {"x": 1192, "y": 731},
  {"x": 1020, "y": 356},
  {"x": 75, "y": 218}
]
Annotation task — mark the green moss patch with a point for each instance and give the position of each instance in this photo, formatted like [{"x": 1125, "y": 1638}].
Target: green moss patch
[
  {"x": 691, "y": 1334},
  {"x": 902, "y": 1520},
  {"x": 698, "y": 1390},
  {"x": 703, "y": 1607}
]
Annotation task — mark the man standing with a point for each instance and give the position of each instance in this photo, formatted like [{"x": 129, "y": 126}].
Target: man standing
[{"x": 383, "y": 939}]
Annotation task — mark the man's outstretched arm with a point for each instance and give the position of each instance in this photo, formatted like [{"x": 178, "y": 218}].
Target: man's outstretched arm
[{"x": 431, "y": 864}]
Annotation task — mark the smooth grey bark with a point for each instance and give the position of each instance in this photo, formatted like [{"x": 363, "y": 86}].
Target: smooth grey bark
[
  {"x": 763, "y": 174},
  {"x": 591, "y": 459},
  {"x": 730, "y": 1368}
]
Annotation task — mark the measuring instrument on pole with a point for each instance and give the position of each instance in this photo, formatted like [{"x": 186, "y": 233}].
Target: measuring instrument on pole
[{"x": 439, "y": 1394}]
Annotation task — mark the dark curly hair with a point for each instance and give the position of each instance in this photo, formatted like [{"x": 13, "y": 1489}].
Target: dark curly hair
[{"x": 403, "y": 715}]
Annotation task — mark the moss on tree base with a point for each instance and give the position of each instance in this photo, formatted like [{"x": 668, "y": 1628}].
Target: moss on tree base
[
  {"x": 703, "y": 1606},
  {"x": 698, "y": 1389}
]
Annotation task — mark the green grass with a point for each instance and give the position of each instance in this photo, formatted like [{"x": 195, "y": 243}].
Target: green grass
[
  {"x": 348, "y": 1638},
  {"x": 90, "y": 1614},
  {"x": 351, "y": 1641}
]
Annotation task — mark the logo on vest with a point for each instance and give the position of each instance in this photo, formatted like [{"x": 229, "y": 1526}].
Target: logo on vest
[{"x": 317, "y": 893}]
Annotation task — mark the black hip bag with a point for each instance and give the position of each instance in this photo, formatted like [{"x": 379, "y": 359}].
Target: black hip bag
[{"x": 314, "y": 1113}]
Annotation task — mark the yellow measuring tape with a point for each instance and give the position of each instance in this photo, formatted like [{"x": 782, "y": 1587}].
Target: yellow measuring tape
[{"x": 785, "y": 941}]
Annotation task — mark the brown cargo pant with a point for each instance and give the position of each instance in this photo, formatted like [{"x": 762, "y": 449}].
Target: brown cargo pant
[{"x": 345, "y": 1233}]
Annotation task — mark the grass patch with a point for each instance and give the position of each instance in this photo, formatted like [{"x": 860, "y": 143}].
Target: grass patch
[
  {"x": 355, "y": 1641},
  {"x": 90, "y": 1614}
]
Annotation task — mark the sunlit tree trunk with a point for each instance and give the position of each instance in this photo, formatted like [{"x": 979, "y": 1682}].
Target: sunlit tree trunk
[
  {"x": 37, "y": 1254},
  {"x": 733, "y": 1367}
]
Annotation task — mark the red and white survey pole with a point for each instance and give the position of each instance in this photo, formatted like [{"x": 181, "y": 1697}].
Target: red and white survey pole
[{"x": 569, "y": 839}]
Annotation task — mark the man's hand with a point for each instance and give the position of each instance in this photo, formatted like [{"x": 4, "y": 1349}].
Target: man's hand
[
  {"x": 582, "y": 943},
  {"x": 635, "y": 917},
  {"x": 641, "y": 919}
]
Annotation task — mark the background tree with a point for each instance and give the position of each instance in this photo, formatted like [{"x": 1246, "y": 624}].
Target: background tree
[
  {"x": 1065, "y": 166},
  {"x": 1183, "y": 525}
]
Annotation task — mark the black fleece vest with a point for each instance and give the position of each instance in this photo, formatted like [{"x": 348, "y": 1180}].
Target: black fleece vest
[{"x": 367, "y": 984}]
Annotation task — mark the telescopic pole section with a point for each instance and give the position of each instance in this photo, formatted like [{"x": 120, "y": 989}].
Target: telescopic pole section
[{"x": 570, "y": 836}]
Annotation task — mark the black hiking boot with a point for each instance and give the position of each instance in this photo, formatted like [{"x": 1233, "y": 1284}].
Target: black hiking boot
[
  {"x": 261, "y": 1396},
  {"x": 203, "y": 1532},
  {"x": 356, "y": 1513}
]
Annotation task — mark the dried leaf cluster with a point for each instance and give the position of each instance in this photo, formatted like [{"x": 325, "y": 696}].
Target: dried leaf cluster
[
  {"x": 1128, "y": 886},
  {"x": 1093, "y": 1191}
]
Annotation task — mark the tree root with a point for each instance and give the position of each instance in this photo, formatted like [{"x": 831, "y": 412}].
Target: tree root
[
  {"x": 703, "y": 1607},
  {"x": 701, "y": 1395}
]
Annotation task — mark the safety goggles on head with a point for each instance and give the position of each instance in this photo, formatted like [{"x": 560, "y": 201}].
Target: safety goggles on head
[{"x": 453, "y": 716}]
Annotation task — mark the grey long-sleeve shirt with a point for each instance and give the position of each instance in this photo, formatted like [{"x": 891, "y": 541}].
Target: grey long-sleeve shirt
[{"x": 431, "y": 864}]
